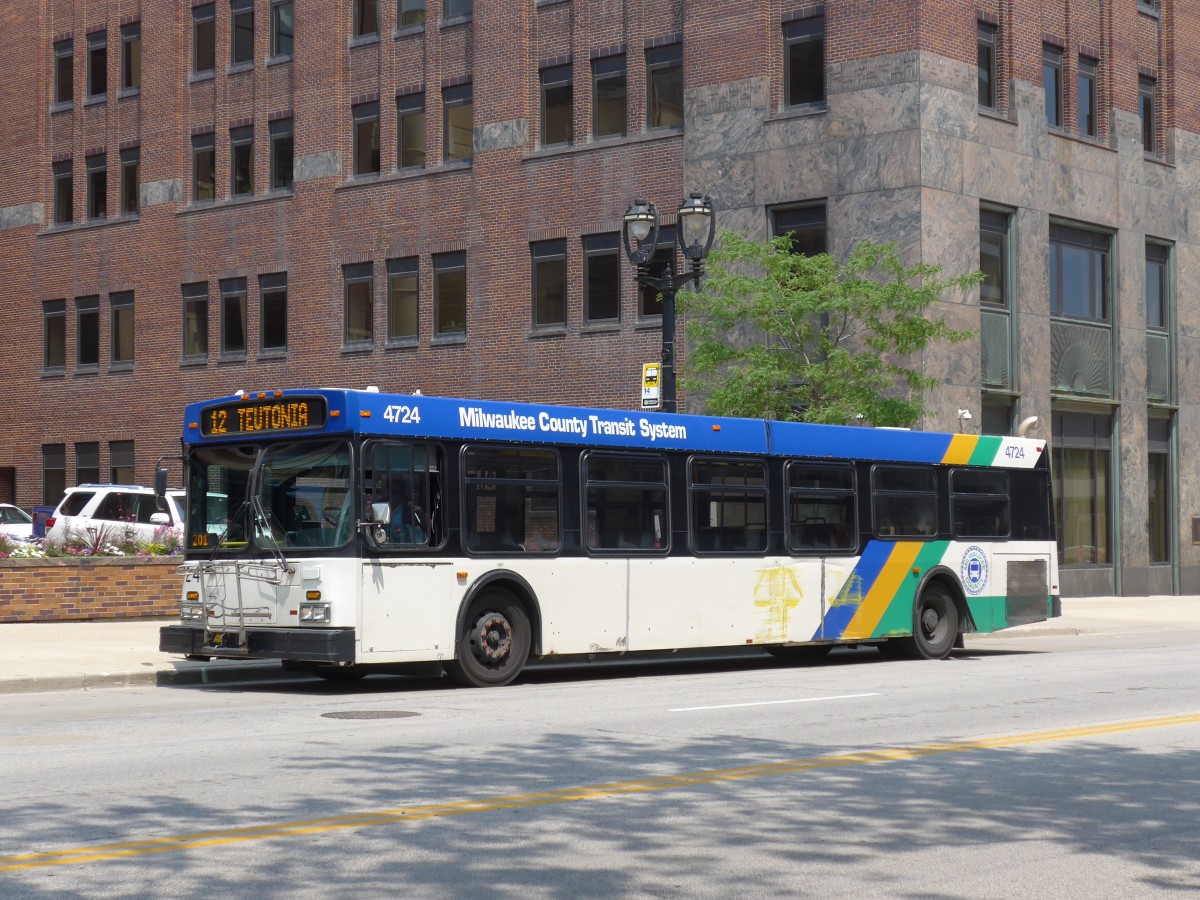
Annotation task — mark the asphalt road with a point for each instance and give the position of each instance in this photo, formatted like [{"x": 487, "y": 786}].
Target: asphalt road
[{"x": 1006, "y": 771}]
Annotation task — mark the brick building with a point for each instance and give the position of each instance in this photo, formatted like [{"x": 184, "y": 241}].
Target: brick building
[{"x": 426, "y": 194}]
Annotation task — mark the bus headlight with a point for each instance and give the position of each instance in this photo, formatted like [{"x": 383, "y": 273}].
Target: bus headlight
[
  {"x": 314, "y": 612},
  {"x": 191, "y": 612}
]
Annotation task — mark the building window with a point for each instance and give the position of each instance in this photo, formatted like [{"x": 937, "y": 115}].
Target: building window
[
  {"x": 557, "y": 108},
  {"x": 1146, "y": 89},
  {"x": 97, "y": 187},
  {"x": 121, "y": 307},
  {"x": 457, "y": 9},
  {"x": 241, "y": 26},
  {"x": 204, "y": 39},
  {"x": 131, "y": 199},
  {"x": 1158, "y": 489},
  {"x": 1052, "y": 85},
  {"x": 366, "y": 17},
  {"x": 610, "y": 97},
  {"x": 87, "y": 332},
  {"x": 1159, "y": 314},
  {"x": 450, "y": 294},
  {"x": 412, "y": 12},
  {"x": 54, "y": 334},
  {"x": 120, "y": 459},
  {"x": 273, "y": 293},
  {"x": 664, "y": 256},
  {"x": 204, "y": 169},
  {"x": 281, "y": 155},
  {"x": 549, "y": 283},
  {"x": 457, "y": 123},
  {"x": 359, "y": 295},
  {"x": 195, "y": 321},
  {"x": 410, "y": 115},
  {"x": 987, "y": 65},
  {"x": 54, "y": 473},
  {"x": 87, "y": 463},
  {"x": 993, "y": 258},
  {"x": 64, "y": 71},
  {"x": 97, "y": 65},
  {"x": 1088, "y": 125},
  {"x": 804, "y": 61},
  {"x": 402, "y": 300},
  {"x": 366, "y": 139},
  {"x": 1079, "y": 283},
  {"x": 602, "y": 278},
  {"x": 283, "y": 28},
  {"x": 131, "y": 57},
  {"x": 664, "y": 83},
  {"x": 995, "y": 416},
  {"x": 64, "y": 193},
  {"x": 241, "y": 141},
  {"x": 805, "y": 225},
  {"x": 233, "y": 317},
  {"x": 1082, "y": 448}
]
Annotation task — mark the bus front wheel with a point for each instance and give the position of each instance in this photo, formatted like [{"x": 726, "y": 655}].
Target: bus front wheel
[
  {"x": 935, "y": 624},
  {"x": 494, "y": 643}
]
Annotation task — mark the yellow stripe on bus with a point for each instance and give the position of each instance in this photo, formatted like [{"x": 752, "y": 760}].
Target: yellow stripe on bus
[
  {"x": 883, "y": 591},
  {"x": 960, "y": 449}
]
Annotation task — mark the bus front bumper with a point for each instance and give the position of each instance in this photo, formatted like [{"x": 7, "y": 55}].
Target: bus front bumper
[{"x": 331, "y": 645}]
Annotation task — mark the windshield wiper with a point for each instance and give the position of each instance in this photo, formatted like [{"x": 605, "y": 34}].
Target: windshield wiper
[{"x": 263, "y": 523}]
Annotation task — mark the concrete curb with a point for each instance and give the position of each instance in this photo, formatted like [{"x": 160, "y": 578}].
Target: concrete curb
[{"x": 198, "y": 674}]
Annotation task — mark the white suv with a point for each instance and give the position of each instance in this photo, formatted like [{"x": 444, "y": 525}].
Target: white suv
[{"x": 124, "y": 510}]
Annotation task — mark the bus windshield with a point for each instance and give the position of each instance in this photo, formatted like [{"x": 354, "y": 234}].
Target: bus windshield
[{"x": 303, "y": 488}]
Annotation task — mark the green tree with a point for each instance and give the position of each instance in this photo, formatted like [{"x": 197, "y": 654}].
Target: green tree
[{"x": 776, "y": 334}]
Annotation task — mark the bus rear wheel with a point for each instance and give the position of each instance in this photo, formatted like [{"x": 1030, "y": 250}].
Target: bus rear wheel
[
  {"x": 495, "y": 640},
  {"x": 935, "y": 624}
]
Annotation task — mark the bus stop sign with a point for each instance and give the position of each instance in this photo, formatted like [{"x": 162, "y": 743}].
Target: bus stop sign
[{"x": 651, "y": 393}]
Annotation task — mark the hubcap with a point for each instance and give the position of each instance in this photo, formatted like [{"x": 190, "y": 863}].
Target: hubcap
[
  {"x": 493, "y": 638},
  {"x": 930, "y": 621}
]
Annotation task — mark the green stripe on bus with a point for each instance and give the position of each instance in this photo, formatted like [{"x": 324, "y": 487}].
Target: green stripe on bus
[
  {"x": 986, "y": 451},
  {"x": 898, "y": 618}
]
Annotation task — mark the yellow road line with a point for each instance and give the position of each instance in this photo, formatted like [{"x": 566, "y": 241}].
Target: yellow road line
[{"x": 101, "y": 852}]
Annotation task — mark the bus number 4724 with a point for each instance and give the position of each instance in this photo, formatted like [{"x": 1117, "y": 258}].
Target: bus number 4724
[{"x": 405, "y": 415}]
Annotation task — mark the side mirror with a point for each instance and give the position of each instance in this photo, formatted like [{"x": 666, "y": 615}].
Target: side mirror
[
  {"x": 380, "y": 513},
  {"x": 160, "y": 518},
  {"x": 160, "y": 488}
]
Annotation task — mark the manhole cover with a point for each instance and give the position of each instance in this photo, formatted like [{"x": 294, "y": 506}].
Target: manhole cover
[{"x": 369, "y": 714}]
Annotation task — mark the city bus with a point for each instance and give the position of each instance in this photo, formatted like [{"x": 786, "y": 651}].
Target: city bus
[{"x": 373, "y": 532}]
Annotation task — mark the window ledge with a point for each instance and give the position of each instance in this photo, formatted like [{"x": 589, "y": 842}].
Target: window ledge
[
  {"x": 65, "y": 106},
  {"x": 409, "y": 30},
  {"x": 611, "y": 327},
  {"x": 87, "y": 370},
  {"x": 364, "y": 40},
  {"x": 358, "y": 347},
  {"x": 605, "y": 143},
  {"x": 95, "y": 100},
  {"x": 120, "y": 367},
  {"x": 449, "y": 340},
  {"x": 997, "y": 114},
  {"x": 798, "y": 112},
  {"x": 280, "y": 60},
  {"x": 537, "y": 332},
  {"x": 54, "y": 372},
  {"x": 402, "y": 344},
  {"x": 199, "y": 77},
  {"x": 650, "y": 323},
  {"x": 193, "y": 361},
  {"x": 457, "y": 20},
  {"x": 126, "y": 93},
  {"x": 231, "y": 358},
  {"x": 246, "y": 200},
  {"x": 273, "y": 353},
  {"x": 240, "y": 68}
]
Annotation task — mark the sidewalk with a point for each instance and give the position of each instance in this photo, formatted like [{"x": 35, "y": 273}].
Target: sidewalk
[{"x": 59, "y": 656}]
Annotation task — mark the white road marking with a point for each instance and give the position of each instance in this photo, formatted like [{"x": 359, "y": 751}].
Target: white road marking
[{"x": 771, "y": 702}]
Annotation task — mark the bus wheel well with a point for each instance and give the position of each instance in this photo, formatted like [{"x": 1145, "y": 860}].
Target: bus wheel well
[
  {"x": 521, "y": 592},
  {"x": 950, "y": 583}
]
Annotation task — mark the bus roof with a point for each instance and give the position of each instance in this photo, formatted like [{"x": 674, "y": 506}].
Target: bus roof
[{"x": 294, "y": 413}]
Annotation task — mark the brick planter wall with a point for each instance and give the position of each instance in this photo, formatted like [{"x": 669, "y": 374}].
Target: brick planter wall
[{"x": 58, "y": 590}]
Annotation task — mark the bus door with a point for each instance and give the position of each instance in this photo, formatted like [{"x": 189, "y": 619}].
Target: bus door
[{"x": 406, "y": 588}]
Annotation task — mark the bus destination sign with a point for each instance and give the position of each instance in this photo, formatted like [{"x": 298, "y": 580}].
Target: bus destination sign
[{"x": 263, "y": 416}]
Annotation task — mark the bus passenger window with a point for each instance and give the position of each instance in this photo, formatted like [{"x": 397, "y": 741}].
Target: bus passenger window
[{"x": 625, "y": 503}]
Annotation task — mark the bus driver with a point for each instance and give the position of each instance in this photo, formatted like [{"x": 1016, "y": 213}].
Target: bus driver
[{"x": 407, "y": 524}]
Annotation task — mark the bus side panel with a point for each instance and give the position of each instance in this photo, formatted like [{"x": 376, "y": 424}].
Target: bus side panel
[
  {"x": 407, "y": 606},
  {"x": 679, "y": 602},
  {"x": 583, "y": 603}
]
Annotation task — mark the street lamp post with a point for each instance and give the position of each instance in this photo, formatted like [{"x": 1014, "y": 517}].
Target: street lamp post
[{"x": 695, "y": 232}]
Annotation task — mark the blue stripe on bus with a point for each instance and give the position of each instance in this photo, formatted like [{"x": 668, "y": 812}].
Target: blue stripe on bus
[{"x": 850, "y": 597}]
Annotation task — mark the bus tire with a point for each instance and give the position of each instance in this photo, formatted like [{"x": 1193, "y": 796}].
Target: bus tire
[
  {"x": 935, "y": 624},
  {"x": 494, "y": 643}
]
